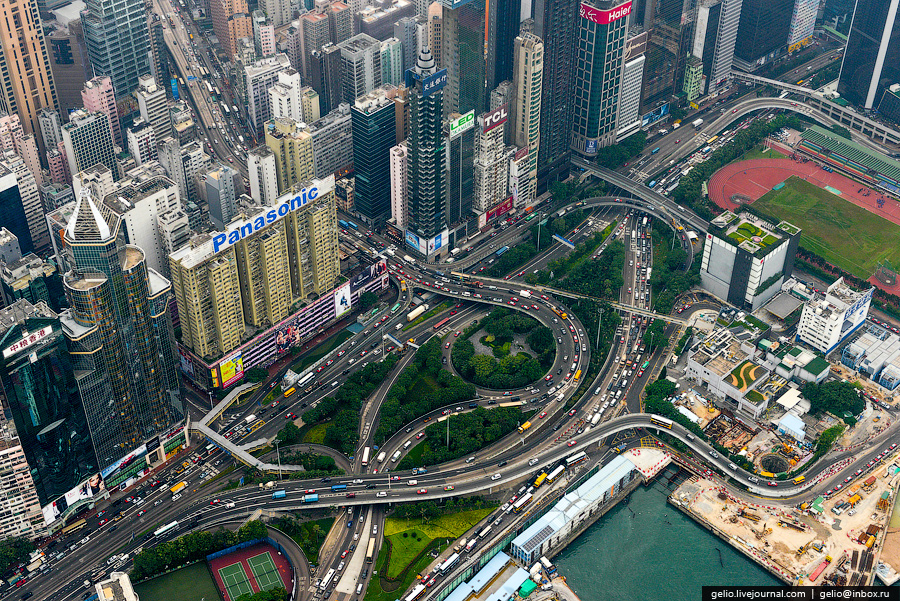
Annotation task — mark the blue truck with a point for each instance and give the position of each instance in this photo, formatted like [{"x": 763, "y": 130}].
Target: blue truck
[
  {"x": 310, "y": 498},
  {"x": 279, "y": 494},
  {"x": 338, "y": 487}
]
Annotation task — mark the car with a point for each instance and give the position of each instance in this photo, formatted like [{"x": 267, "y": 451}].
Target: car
[
  {"x": 772, "y": 484},
  {"x": 514, "y": 298},
  {"x": 420, "y": 435},
  {"x": 103, "y": 522},
  {"x": 275, "y": 403},
  {"x": 426, "y": 420},
  {"x": 422, "y": 491},
  {"x": 496, "y": 477},
  {"x": 142, "y": 512},
  {"x": 325, "y": 480},
  {"x": 290, "y": 416},
  {"x": 329, "y": 362},
  {"x": 129, "y": 499},
  {"x": 548, "y": 377},
  {"x": 571, "y": 443},
  {"x": 100, "y": 514},
  {"x": 345, "y": 553},
  {"x": 678, "y": 141},
  {"x": 542, "y": 415},
  {"x": 448, "y": 487},
  {"x": 512, "y": 303},
  {"x": 341, "y": 353},
  {"x": 838, "y": 487},
  {"x": 363, "y": 353},
  {"x": 215, "y": 501},
  {"x": 320, "y": 368},
  {"x": 445, "y": 412},
  {"x": 456, "y": 335},
  {"x": 735, "y": 110}
]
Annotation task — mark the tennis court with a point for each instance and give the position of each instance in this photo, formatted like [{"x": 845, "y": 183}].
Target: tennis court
[
  {"x": 264, "y": 571},
  {"x": 236, "y": 581}
]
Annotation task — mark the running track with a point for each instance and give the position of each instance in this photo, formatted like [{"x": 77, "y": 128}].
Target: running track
[{"x": 755, "y": 177}]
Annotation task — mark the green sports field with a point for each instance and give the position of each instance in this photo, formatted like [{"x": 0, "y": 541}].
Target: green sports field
[{"x": 842, "y": 233}]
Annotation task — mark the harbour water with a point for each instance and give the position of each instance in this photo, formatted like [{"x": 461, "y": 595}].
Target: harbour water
[{"x": 646, "y": 549}]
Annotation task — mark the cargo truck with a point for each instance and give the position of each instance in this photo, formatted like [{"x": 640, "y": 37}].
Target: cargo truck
[
  {"x": 409, "y": 259},
  {"x": 310, "y": 498},
  {"x": 416, "y": 312},
  {"x": 279, "y": 494},
  {"x": 697, "y": 123},
  {"x": 525, "y": 293},
  {"x": 524, "y": 427}
]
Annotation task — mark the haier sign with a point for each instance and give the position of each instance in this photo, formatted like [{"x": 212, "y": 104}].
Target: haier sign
[
  {"x": 489, "y": 121},
  {"x": 286, "y": 204},
  {"x": 604, "y": 17}
]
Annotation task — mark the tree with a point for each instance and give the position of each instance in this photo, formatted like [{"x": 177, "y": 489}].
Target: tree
[
  {"x": 256, "y": 374},
  {"x": 367, "y": 300},
  {"x": 655, "y": 335},
  {"x": 13, "y": 550},
  {"x": 837, "y": 398}
]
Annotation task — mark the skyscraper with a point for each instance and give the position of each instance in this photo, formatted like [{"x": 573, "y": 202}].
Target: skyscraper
[
  {"x": 314, "y": 34},
  {"x": 872, "y": 58},
  {"x": 503, "y": 22},
  {"x": 69, "y": 63},
  {"x": 525, "y": 111},
  {"x": 31, "y": 200},
  {"x": 763, "y": 29},
  {"x": 221, "y": 194},
  {"x": 118, "y": 332},
  {"x": 427, "y": 168},
  {"x": 460, "y": 167},
  {"x": 259, "y": 77},
  {"x": 603, "y": 25},
  {"x": 555, "y": 22},
  {"x": 399, "y": 186},
  {"x": 491, "y": 160},
  {"x": 360, "y": 66},
  {"x": 98, "y": 96},
  {"x": 391, "y": 62},
  {"x": 670, "y": 24},
  {"x": 714, "y": 39},
  {"x": 27, "y": 84},
  {"x": 292, "y": 145},
  {"x": 87, "y": 141},
  {"x": 325, "y": 77},
  {"x": 13, "y": 210},
  {"x": 231, "y": 22},
  {"x": 803, "y": 21},
  {"x": 340, "y": 22},
  {"x": 118, "y": 41},
  {"x": 463, "y": 31},
  {"x": 153, "y": 106},
  {"x": 374, "y": 133},
  {"x": 39, "y": 394}
]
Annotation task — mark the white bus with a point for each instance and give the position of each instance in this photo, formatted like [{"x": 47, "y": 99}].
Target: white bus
[
  {"x": 329, "y": 576},
  {"x": 449, "y": 564},
  {"x": 365, "y": 456},
  {"x": 166, "y": 528}
]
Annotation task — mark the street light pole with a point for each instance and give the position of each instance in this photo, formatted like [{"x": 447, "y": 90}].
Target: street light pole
[{"x": 278, "y": 453}]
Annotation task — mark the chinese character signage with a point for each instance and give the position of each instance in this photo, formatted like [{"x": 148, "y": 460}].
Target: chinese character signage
[
  {"x": 28, "y": 339},
  {"x": 434, "y": 83}
]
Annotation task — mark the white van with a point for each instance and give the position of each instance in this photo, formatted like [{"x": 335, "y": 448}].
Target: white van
[
  {"x": 406, "y": 444},
  {"x": 412, "y": 482},
  {"x": 359, "y": 588}
]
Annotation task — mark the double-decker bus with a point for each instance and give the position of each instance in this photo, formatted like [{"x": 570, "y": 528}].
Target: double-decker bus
[
  {"x": 73, "y": 527},
  {"x": 209, "y": 87},
  {"x": 450, "y": 563},
  {"x": 226, "y": 110},
  {"x": 556, "y": 473},
  {"x": 417, "y": 593},
  {"x": 371, "y": 550},
  {"x": 304, "y": 381},
  {"x": 326, "y": 581},
  {"x": 713, "y": 139},
  {"x": 521, "y": 503},
  {"x": 441, "y": 323},
  {"x": 661, "y": 422},
  {"x": 575, "y": 459}
]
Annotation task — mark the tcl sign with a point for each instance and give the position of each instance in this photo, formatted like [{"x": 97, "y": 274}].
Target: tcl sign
[
  {"x": 605, "y": 17},
  {"x": 489, "y": 121}
]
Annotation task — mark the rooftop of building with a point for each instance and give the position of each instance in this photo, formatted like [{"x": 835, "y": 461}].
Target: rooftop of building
[
  {"x": 125, "y": 198},
  {"x": 268, "y": 64},
  {"x": 374, "y": 13},
  {"x": 782, "y": 305},
  {"x": 21, "y": 310},
  {"x": 751, "y": 233},
  {"x": 849, "y": 149},
  {"x": 25, "y": 269},
  {"x": 373, "y": 101},
  {"x": 720, "y": 352},
  {"x": 359, "y": 43}
]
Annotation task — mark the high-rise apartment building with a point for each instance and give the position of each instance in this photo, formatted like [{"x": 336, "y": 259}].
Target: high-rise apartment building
[
  {"x": 88, "y": 141},
  {"x": 231, "y": 22},
  {"x": 69, "y": 63},
  {"x": 221, "y": 194},
  {"x": 693, "y": 79},
  {"x": 407, "y": 31},
  {"x": 31, "y": 201},
  {"x": 153, "y": 106},
  {"x": 599, "y": 61},
  {"x": 252, "y": 274},
  {"x": 10, "y": 251},
  {"x": 141, "y": 142},
  {"x": 182, "y": 163},
  {"x": 715, "y": 35},
  {"x": 314, "y": 34},
  {"x": 33, "y": 279},
  {"x": 872, "y": 57},
  {"x": 373, "y": 122},
  {"x": 434, "y": 26},
  {"x": 290, "y": 98},
  {"x": 50, "y": 125},
  {"x": 259, "y": 78},
  {"x": 118, "y": 332},
  {"x": 525, "y": 111},
  {"x": 378, "y": 21},
  {"x": 14, "y": 138},
  {"x": 278, "y": 11},
  {"x": 399, "y": 186},
  {"x": 292, "y": 145},
  {"x": 325, "y": 77},
  {"x": 263, "y": 172},
  {"x": 556, "y": 23},
  {"x": 27, "y": 84},
  {"x": 263, "y": 34},
  {"x": 98, "y": 96},
  {"x": 391, "y": 62},
  {"x": 340, "y": 22},
  {"x": 803, "y": 21},
  {"x": 332, "y": 143},
  {"x": 491, "y": 160},
  {"x": 40, "y": 398},
  {"x": 427, "y": 172},
  {"x": 360, "y": 66},
  {"x": 118, "y": 41},
  {"x": 55, "y": 195}
]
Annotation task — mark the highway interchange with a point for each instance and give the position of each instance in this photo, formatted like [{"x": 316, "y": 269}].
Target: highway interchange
[{"x": 545, "y": 444}]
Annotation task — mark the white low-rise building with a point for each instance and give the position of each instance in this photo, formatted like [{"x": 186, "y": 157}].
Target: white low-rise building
[{"x": 825, "y": 323}]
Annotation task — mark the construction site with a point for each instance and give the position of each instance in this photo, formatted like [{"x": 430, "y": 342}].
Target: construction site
[{"x": 838, "y": 540}]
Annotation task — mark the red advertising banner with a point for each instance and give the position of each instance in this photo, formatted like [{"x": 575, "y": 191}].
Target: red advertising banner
[
  {"x": 605, "y": 17},
  {"x": 501, "y": 209}
]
